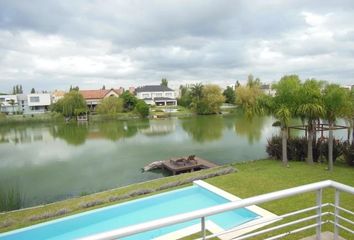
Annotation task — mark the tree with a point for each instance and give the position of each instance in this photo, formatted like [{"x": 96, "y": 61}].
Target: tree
[
  {"x": 310, "y": 108},
  {"x": 251, "y": 82},
  {"x": 110, "y": 105},
  {"x": 129, "y": 101},
  {"x": 142, "y": 108},
  {"x": 164, "y": 82},
  {"x": 210, "y": 101},
  {"x": 246, "y": 97},
  {"x": 229, "y": 94},
  {"x": 70, "y": 104},
  {"x": 185, "y": 98},
  {"x": 336, "y": 101},
  {"x": 104, "y": 87},
  {"x": 33, "y": 90},
  {"x": 284, "y": 105},
  {"x": 20, "y": 90},
  {"x": 197, "y": 91}
]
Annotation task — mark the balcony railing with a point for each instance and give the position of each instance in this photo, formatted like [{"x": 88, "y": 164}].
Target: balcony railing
[{"x": 318, "y": 187}]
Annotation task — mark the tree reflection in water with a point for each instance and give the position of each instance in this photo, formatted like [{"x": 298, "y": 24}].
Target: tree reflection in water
[
  {"x": 250, "y": 128},
  {"x": 204, "y": 128}
]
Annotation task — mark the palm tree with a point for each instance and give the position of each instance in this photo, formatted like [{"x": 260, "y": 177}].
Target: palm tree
[
  {"x": 283, "y": 106},
  {"x": 197, "y": 91},
  {"x": 336, "y": 101},
  {"x": 310, "y": 108},
  {"x": 283, "y": 114}
]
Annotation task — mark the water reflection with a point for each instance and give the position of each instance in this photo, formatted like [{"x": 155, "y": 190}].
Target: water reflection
[
  {"x": 22, "y": 134},
  {"x": 160, "y": 127},
  {"x": 250, "y": 128},
  {"x": 74, "y": 134},
  {"x": 205, "y": 128}
]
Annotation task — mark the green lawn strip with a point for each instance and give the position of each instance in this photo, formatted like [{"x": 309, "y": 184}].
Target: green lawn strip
[
  {"x": 259, "y": 177},
  {"x": 26, "y": 217}
]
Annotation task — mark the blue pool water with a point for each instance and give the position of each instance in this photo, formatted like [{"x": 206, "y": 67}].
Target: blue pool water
[{"x": 121, "y": 215}]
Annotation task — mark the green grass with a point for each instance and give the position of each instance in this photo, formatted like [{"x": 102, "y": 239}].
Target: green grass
[
  {"x": 252, "y": 178},
  {"x": 259, "y": 177},
  {"x": 25, "y": 217}
]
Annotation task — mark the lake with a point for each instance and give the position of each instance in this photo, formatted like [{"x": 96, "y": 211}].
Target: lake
[{"x": 50, "y": 162}]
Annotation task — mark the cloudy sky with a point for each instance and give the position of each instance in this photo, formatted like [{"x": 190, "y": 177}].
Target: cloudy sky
[{"x": 51, "y": 44}]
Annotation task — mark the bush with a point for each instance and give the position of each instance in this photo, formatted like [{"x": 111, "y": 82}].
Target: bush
[
  {"x": 91, "y": 203},
  {"x": 348, "y": 153},
  {"x": 47, "y": 215},
  {"x": 110, "y": 105},
  {"x": 297, "y": 148},
  {"x": 142, "y": 108}
]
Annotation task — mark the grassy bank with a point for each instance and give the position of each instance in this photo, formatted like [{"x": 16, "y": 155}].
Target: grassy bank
[
  {"x": 252, "y": 178},
  {"x": 25, "y": 217},
  {"x": 35, "y": 118}
]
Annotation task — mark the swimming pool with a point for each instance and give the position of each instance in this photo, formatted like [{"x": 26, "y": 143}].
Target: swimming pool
[{"x": 133, "y": 212}]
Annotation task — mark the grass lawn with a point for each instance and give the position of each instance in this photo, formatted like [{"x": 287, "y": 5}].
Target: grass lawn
[
  {"x": 253, "y": 178},
  {"x": 266, "y": 176}
]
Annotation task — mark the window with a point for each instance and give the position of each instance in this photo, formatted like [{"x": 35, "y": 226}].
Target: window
[
  {"x": 168, "y": 94},
  {"x": 34, "y": 99},
  {"x": 146, "y": 95},
  {"x": 158, "y": 94}
]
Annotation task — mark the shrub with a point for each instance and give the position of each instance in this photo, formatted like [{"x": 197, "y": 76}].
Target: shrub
[
  {"x": 110, "y": 105},
  {"x": 47, "y": 215},
  {"x": 274, "y": 147},
  {"x": 142, "y": 108},
  {"x": 348, "y": 153},
  {"x": 91, "y": 203},
  {"x": 6, "y": 223},
  {"x": 297, "y": 148}
]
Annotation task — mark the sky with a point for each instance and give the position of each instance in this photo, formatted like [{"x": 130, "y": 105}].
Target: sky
[{"x": 51, "y": 44}]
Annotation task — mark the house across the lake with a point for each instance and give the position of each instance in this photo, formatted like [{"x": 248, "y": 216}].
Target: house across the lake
[
  {"x": 94, "y": 97},
  {"x": 8, "y": 104},
  {"x": 156, "y": 95},
  {"x": 37, "y": 103}
]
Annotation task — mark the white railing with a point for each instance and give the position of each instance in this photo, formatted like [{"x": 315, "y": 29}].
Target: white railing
[{"x": 203, "y": 213}]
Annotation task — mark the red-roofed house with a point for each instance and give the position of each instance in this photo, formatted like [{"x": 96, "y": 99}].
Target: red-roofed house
[{"x": 94, "y": 97}]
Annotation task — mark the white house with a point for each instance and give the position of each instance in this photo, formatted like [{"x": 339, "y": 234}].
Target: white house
[
  {"x": 267, "y": 89},
  {"x": 38, "y": 102},
  {"x": 8, "y": 104},
  {"x": 156, "y": 95}
]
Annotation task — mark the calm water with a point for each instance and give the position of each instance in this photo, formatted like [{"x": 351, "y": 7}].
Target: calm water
[{"x": 49, "y": 162}]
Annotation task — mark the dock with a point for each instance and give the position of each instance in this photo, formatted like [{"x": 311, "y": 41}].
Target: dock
[{"x": 186, "y": 166}]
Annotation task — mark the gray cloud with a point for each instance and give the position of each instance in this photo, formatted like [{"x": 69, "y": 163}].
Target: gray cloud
[{"x": 53, "y": 44}]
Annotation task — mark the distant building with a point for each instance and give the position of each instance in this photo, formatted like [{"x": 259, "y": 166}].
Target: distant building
[
  {"x": 23, "y": 103},
  {"x": 132, "y": 90},
  {"x": 94, "y": 97},
  {"x": 156, "y": 95},
  {"x": 38, "y": 102},
  {"x": 267, "y": 89},
  {"x": 57, "y": 95},
  {"x": 8, "y": 104}
]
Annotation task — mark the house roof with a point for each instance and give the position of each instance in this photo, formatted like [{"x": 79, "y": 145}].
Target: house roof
[
  {"x": 153, "y": 88},
  {"x": 99, "y": 94},
  {"x": 58, "y": 93}
]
